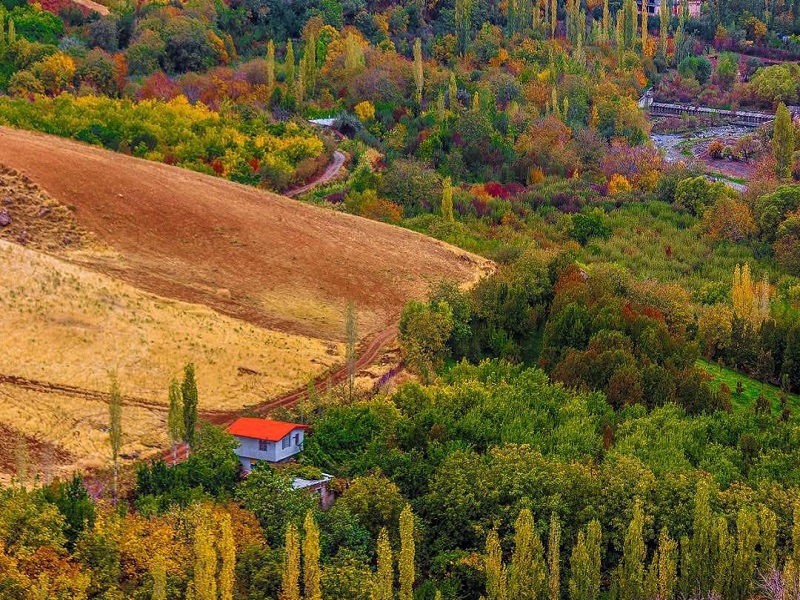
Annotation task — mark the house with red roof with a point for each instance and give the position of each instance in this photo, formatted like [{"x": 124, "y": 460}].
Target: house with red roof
[{"x": 264, "y": 439}]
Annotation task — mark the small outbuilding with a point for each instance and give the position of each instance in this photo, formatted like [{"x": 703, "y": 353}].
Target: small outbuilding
[{"x": 264, "y": 439}]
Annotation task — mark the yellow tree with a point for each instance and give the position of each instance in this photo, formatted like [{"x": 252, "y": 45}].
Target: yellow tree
[
  {"x": 312, "y": 577},
  {"x": 159, "y": 574},
  {"x": 115, "y": 426},
  {"x": 290, "y": 577},
  {"x": 496, "y": 578},
  {"x": 406, "y": 558},
  {"x": 527, "y": 574},
  {"x": 553, "y": 557},
  {"x": 205, "y": 561},
  {"x": 227, "y": 551}
]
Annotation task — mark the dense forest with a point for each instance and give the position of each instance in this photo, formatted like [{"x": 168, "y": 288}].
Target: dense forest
[{"x": 614, "y": 413}]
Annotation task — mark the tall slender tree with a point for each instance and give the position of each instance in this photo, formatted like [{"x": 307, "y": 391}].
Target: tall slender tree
[
  {"x": 744, "y": 563},
  {"x": 290, "y": 576},
  {"x": 115, "y": 427},
  {"x": 463, "y": 18},
  {"x": 663, "y": 28},
  {"x": 12, "y": 32},
  {"x": 270, "y": 66},
  {"x": 205, "y": 561},
  {"x": 496, "y": 577},
  {"x": 384, "y": 577},
  {"x": 406, "y": 568},
  {"x": 351, "y": 345},
  {"x": 312, "y": 576},
  {"x": 783, "y": 142},
  {"x": 158, "y": 572},
  {"x": 663, "y": 571},
  {"x": 447, "y": 200},
  {"x": 189, "y": 396},
  {"x": 527, "y": 573},
  {"x": 288, "y": 69},
  {"x": 631, "y": 571},
  {"x": 419, "y": 73},
  {"x": 701, "y": 557},
  {"x": 310, "y": 55},
  {"x": 579, "y": 570},
  {"x": 554, "y": 557},
  {"x": 175, "y": 423},
  {"x": 725, "y": 548},
  {"x": 227, "y": 551}
]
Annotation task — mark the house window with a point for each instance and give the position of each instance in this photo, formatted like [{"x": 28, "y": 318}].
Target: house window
[
  {"x": 286, "y": 442},
  {"x": 263, "y": 445}
]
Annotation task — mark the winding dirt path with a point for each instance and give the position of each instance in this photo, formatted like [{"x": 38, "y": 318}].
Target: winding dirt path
[
  {"x": 98, "y": 8},
  {"x": 330, "y": 172}
]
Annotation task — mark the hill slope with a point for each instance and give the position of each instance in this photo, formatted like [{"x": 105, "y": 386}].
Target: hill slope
[{"x": 247, "y": 253}]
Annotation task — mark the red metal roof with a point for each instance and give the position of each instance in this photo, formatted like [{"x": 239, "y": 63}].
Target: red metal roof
[{"x": 262, "y": 429}]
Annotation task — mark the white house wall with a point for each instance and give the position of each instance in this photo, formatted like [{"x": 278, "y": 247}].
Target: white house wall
[{"x": 249, "y": 449}]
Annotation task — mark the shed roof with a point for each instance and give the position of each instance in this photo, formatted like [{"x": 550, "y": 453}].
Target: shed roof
[{"x": 262, "y": 429}]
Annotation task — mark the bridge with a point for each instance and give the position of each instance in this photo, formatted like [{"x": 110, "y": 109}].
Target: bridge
[{"x": 665, "y": 109}]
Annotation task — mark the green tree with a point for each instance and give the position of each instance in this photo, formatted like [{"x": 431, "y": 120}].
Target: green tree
[
  {"x": 419, "y": 74},
  {"x": 783, "y": 142},
  {"x": 406, "y": 559},
  {"x": 631, "y": 571},
  {"x": 663, "y": 571},
  {"x": 424, "y": 331},
  {"x": 663, "y": 28},
  {"x": 288, "y": 69},
  {"x": 189, "y": 396},
  {"x": 312, "y": 577},
  {"x": 270, "y": 67},
  {"x": 701, "y": 557},
  {"x": 447, "y": 200},
  {"x": 115, "y": 426},
  {"x": 744, "y": 563},
  {"x": 175, "y": 423},
  {"x": 554, "y": 558},
  {"x": 463, "y": 22},
  {"x": 579, "y": 578},
  {"x": 527, "y": 573},
  {"x": 351, "y": 345}
]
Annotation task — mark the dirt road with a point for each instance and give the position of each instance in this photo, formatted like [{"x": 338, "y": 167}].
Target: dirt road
[{"x": 330, "y": 172}]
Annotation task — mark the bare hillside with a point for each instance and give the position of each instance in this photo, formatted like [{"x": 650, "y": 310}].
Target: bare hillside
[{"x": 253, "y": 255}]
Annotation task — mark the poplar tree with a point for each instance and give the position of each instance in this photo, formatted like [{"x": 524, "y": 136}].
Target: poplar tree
[
  {"x": 440, "y": 106},
  {"x": 419, "y": 74},
  {"x": 175, "y": 423},
  {"x": 310, "y": 54},
  {"x": 300, "y": 87},
  {"x": 496, "y": 576},
  {"x": 463, "y": 19},
  {"x": 606, "y": 22},
  {"x": 631, "y": 571},
  {"x": 663, "y": 571},
  {"x": 723, "y": 565},
  {"x": 12, "y": 32},
  {"x": 701, "y": 557},
  {"x": 663, "y": 28},
  {"x": 476, "y": 101},
  {"x": 796, "y": 534},
  {"x": 189, "y": 396},
  {"x": 351, "y": 345},
  {"x": 553, "y": 17},
  {"x": 270, "y": 66},
  {"x": 353, "y": 54},
  {"x": 2, "y": 31},
  {"x": 744, "y": 563},
  {"x": 594, "y": 540},
  {"x": 205, "y": 562},
  {"x": 783, "y": 142},
  {"x": 290, "y": 577},
  {"x": 452, "y": 90},
  {"x": 447, "y": 200},
  {"x": 406, "y": 558},
  {"x": 312, "y": 576},
  {"x": 579, "y": 569},
  {"x": 288, "y": 69},
  {"x": 554, "y": 557},
  {"x": 158, "y": 572},
  {"x": 115, "y": 426},
  {"x": 644, "y": 28},
  {"x": 768, "y": 524},
  {"x": 527, "y": 574},
  {"x": 384, "y": 578},
  {"x": 227, "y": 551}
]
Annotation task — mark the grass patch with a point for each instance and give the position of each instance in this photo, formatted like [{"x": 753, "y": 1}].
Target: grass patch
[
  {"x": 751, "y": 388},
  {"x": 723, "y": 176}
]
